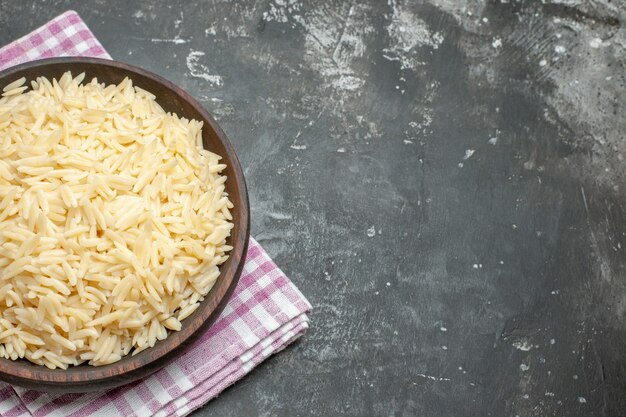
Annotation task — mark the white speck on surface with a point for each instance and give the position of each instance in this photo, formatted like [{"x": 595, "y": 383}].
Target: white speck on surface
[
  {"x": 475, "y": 266},
  {"x": 443, "y": 329},
  {"x": 279, "y": 216},
  {"x": 559, "y": 49},
  {"x": 210, "y": 31},
  {"x": 388, "y": 284},
  {"x": 501, "y": 262},
  {"x": 524, "y": 346},
  {"x": 407, "y": 142},
  {"x": 341, "y": 150},
  {"x": 433, "y": 378},
  {"x": 582, "y": 400},
  {"x": 543, "y": 63},
  {"x": 332, "y": 51},
  {"x": 444, "y": 347},
  {"x": 371, "y": 231},
  {"x": 377, "y": 292},
  {"x": 523, "y": 367},
  {"x": 497, "y": 42},
  {"x": 549, "y": 394},
  {"x": 438, "y": 39},
  {"x": 179, "y": 22},
  {"x": 138, "y": 14},
  {"x": 575, "y": 377},
  {"x": 298, "y": 147},
  {"x": 280, "y": 11},
  {"x": 347, "y": 83},
  {"x": 493, "y": 140},
  {"x": 526, "y": 396},
  {"x": 460, "y": 164},
  {"x": 514, "y": 226},
  {"x": 408, "y": 33},
  {"x": 199, "y": 70},
  {"x": 468, "y": 154},
  {"x": 176, "y": 40},
  {"x": 552, "y": 341},
  {"x": 596, "y": 43}
]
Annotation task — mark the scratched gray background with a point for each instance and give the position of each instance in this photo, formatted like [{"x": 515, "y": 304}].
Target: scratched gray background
[{"x": 443, "y": 180}]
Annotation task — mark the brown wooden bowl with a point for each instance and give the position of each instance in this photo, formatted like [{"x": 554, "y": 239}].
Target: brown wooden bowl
[{"x": 86, "y": 378}]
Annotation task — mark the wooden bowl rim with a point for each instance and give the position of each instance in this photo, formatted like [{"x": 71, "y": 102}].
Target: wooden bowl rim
[{"x": 84, "y": 378}]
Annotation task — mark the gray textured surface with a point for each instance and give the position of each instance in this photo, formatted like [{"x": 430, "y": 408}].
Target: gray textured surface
[{"x": 443, "y": 179}]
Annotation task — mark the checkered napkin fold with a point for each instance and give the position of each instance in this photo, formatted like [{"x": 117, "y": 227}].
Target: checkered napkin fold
[{"x": 265, "y": 314}]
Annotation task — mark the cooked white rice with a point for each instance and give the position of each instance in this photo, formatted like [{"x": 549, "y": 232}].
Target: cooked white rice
[{"x": 113, "y": 221}]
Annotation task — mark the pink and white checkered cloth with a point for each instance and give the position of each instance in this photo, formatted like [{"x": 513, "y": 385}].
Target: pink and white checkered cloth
[{"x": 265, "y": 314}]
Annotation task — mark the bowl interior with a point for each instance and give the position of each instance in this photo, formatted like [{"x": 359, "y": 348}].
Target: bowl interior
[{"x": 173, "y": 99}]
